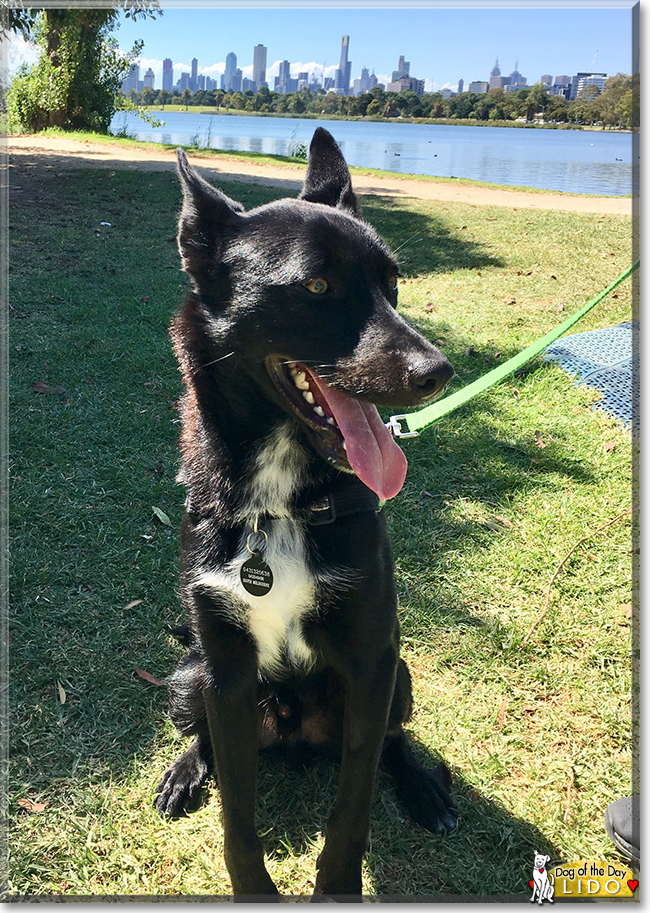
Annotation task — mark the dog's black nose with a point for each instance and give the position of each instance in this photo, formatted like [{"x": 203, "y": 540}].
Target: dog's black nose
[{"x": 430, "y": 376}]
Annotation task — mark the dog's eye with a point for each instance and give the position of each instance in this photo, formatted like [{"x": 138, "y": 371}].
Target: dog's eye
[
  {"x": 392, "y": 283},
  {"x": 317, "y": 286}
]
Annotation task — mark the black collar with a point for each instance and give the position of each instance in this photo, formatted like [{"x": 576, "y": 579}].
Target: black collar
[{"x": 342, "y": 504}]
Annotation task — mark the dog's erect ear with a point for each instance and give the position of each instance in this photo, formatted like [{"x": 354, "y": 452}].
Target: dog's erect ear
[
  {"x": 328, "y": 180},
  {"x": 206, "y": 219}
]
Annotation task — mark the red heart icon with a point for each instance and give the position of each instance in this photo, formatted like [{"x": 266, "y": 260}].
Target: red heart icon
[
  {"x": 532, "y": 884},
  {"x": 633, "y": 885},
  {"x": 541, "y": 870}
]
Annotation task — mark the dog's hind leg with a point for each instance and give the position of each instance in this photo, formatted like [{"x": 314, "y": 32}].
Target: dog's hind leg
[
  {"x": 180, "y": 788},
  {"x": 425, "y": 793}
]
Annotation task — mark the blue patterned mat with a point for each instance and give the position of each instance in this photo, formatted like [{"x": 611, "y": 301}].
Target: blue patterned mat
[{"x": 604, "y": 359}]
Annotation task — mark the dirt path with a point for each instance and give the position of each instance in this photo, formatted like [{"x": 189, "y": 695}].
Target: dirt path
[{"x": 60, "y": 154}]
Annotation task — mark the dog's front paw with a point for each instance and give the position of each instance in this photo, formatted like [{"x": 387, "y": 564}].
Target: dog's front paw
[{"x": 180, "y": 789}]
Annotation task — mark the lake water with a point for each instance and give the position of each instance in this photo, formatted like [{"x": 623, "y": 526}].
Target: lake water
[{"x": 573, "y": 161}]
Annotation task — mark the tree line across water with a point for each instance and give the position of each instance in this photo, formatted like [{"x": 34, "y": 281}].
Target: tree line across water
[{"x": 614, "y": 107}]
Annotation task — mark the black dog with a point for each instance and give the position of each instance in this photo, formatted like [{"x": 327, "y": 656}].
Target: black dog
[{"x": 288, "y": 337}]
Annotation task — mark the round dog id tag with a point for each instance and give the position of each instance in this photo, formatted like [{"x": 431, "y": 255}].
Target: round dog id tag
[{"x": 256, "y": 576}]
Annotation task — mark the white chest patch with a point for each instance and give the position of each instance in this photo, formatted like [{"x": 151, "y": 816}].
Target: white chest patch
[{"x": 274, "y": 620}]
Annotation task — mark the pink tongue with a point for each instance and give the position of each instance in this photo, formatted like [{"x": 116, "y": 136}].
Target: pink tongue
[{"x": 372, "y": 453}]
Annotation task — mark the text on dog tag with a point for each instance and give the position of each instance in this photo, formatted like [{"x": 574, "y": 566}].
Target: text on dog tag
[{"x": 256, "y": 576}]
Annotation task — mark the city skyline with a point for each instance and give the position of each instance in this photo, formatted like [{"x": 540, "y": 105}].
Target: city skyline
[{"x": 442, "y": 45}]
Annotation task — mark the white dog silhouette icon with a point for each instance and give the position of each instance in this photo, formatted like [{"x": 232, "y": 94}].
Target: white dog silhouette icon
[{"x": 542, "y": 883}]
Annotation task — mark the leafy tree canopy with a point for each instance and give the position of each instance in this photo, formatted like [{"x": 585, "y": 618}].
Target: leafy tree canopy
[{"x": 75, "y": 82}]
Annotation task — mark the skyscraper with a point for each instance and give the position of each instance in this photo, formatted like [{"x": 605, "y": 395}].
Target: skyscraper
[
  {"x": 259, "y": 65},
  {"x": 342, "y": 84},
  {"x": 231, "y": 66},
  {"x": 194, "y": 80},
  {"x": 168, "y": 75},
  {"x": 403, "y": 69}
]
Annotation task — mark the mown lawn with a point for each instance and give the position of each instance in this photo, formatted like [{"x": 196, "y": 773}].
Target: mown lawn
[{"x": 538, "y": 734}]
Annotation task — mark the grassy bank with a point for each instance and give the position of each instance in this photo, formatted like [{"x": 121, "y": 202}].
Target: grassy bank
[{"x": 537, "y": 734}]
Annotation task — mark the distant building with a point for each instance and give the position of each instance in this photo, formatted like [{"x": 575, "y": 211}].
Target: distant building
[
  {"x": 403, "y": 69},
  {"x": 461, "y": 86},
  {"x": 581, "y": 80},
  {"x": 210, "y": 84},
  {"x": 478, "y": 87},
  {"x": 259, "y": 65},
  {"x": 148, "y": 80},
  {"x": 131, "y": 79},
  {"x": 235, "y": 80},
  {"x": 194, "y": 80},
  {"x": 547, "y": 80},
  {"x": 495, "y": 76},
  {"x": 184, "y": 82},
  {"x": 231, "y": 66},
  {"x": 365, "y": 82},
  {"x": 328, "y": 83},
  {"x": 446, "y": 93},
  {"x": 516, "y": 80},
  {"x": 168, "y": 75},
  {"x": 283, "y": 79},
  {"x": 342, "y": 76}
]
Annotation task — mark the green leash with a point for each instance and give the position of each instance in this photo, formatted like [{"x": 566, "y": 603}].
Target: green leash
[{"x": 416, "y": 421}]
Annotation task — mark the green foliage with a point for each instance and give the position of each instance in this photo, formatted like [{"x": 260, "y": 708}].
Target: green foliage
[
  {"x": 75, "y": 81},
  {"x": 614, "y": 107}
]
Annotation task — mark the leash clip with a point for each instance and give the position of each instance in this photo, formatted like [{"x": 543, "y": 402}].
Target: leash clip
[{"x": 393, "y": 425}]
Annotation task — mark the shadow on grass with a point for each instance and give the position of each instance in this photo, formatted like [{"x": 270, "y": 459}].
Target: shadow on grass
[
  {"x": 490, "y": 852},
  {"x": 423, "y": 243}
]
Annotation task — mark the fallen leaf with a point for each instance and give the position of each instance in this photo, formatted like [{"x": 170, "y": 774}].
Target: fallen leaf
[
  {"x": 515, "y": 393},
  {"x": 61, "y": 690},
  {"x": 41, "y": 387},
  {"x": 534, "y": 460},
  {"x": 30, "y": 806},
  {"x": 538, "y": 439},
  {"x": 504, "y": 520},
  {"x": 132, "y": 605},
  {"x": 560, "y": 308},
  {"x": 470, "y": 351},
  {"x": 502, "y": 712},
  {"x": 430, "y": 306},
  {"x": 162, "y": 516},
  {"x": 148, "y": 677},
  {"x": 440, "y": 342},
  {"x": 497, "y": 354},
  {"x": 553, "y": 277},
  {"x": 610, "y": 446}
]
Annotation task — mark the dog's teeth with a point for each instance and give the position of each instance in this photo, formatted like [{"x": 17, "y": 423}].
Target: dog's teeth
[
  {"x": 345, "y": 446},
  {"x": 301, "y": 381},
  {"x": 309, "y": 396},
  {"x": 330, "y": 421},
  {"x": 319, "y": 411}
]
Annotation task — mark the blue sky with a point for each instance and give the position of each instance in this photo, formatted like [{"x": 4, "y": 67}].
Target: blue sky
[{"x": 443, "y": 45}]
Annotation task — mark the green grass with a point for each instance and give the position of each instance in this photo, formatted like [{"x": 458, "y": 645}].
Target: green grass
[{"x": 537, "y": 736}]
